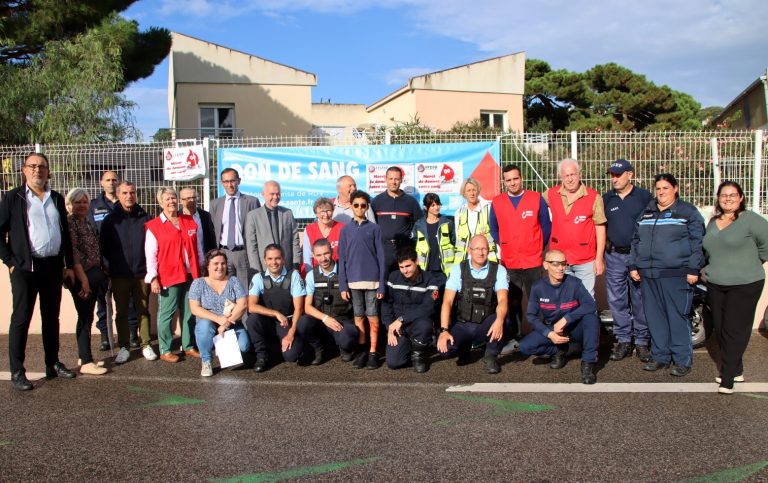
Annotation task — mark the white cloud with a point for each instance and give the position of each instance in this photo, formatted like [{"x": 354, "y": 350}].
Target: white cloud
[{"x": 399, "y": 77}]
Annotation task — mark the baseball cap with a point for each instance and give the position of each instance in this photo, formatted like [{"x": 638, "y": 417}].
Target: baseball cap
[{"x": 620, "y": 166}]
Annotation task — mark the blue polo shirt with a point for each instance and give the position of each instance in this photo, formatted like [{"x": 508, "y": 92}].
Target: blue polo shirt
[
  {"x": 310, "y": 280},
  {"x": 297, "y": 285},
  {"x": 622, "y": 214},
  {"x": 454, "y": 279}
]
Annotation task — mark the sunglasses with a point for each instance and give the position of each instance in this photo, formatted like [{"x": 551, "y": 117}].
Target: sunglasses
[
  {"x": 557, "y": 263},
  {"x": 359, "y": 205}
]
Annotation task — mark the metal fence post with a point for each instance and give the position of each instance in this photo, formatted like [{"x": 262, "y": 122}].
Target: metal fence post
[
  {"x": 574, "y": 145},
  {"x": 757, "y": 175},
  {"x": 715, "y": 164},
  {"x": 39, "y": 148},
  {"x": 387, "y": 137}
]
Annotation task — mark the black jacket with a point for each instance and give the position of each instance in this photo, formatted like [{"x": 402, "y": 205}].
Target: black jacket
[
  {"x": 15, "y": 250},
  {"x": 209, "y": 234},
  {"x": 122, "y": 242},
  {"x": 100, "y": 208}
]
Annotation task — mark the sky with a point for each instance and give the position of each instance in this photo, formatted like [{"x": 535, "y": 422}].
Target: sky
[{"x": 361, "y": 51}]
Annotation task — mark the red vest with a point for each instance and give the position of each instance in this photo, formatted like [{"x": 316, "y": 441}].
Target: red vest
[
  {"x": 171, "y": 243},
  {"x": 313, "y": 233},
  {"x": 573, "y": 233},
  {"x": 520, "y": 237}
]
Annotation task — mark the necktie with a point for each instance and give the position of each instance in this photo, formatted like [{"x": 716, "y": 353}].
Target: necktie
[
  {"x": 275, "y": 228},
  {"x": 231, "y": 224}
]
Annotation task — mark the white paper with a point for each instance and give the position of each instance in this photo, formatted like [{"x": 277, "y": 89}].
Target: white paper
[{"x": 227, "y": 349}]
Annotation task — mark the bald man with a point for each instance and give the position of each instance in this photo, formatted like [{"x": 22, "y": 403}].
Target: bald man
[
  {"x": 272, "y": 224},
  {"x": 342, "y": 206}
]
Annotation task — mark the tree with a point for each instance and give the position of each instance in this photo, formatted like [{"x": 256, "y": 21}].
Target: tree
[
  {"x": 606, "y": 97},
  {"x": 63, "y": 66}
]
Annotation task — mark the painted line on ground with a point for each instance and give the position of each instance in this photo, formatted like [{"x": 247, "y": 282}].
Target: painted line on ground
[
  {"x": 612, "y": 387},
  {"x": 32, "y": 376}
]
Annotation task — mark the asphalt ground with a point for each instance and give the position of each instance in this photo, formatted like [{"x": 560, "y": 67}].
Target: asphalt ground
[{"x": 154, "y": 421}]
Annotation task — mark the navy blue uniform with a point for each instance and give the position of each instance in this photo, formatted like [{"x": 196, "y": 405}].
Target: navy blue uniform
[
  {"x": 665, "y": 249},
  {"x": 624, "y": 295},
  {"x": 549, "y": 303},
  {"x": 396, "y": 217},
  {"x": 414, "y": 302}
]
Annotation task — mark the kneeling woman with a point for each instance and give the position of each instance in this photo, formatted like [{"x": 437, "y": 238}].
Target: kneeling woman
[{"x": 218, "y": 301}]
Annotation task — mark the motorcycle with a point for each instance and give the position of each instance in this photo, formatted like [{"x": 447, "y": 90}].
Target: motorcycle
[{"x": 696, "y": 316}]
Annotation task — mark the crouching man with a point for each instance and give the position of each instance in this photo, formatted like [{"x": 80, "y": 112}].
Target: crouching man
[
  {"x": 325, "y": 309},
  {"x": 481, "y": 307},
  {"x": 561, "y": 311},
  {"x": 276, "y": 302},
  {"x": 407, "y": 311}
]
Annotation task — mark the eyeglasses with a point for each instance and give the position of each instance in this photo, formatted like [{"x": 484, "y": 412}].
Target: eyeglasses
[
  {"x": 557, "y": 263},
  {"x": 326, "y": 212},
  {"x": 39, "y": 167},
  {"x": 729, "y": 196},
  {"x": 359, "y": 205}
]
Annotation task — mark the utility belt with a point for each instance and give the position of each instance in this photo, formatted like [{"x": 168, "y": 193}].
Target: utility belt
[{"x": 610, "y": 248}]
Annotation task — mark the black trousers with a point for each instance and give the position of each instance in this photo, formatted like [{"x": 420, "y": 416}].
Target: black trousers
[
  {"x": 26, "y": 286},
  {"x": 733, "y": 311},
  {"x": 519, "y": 279},
  {"x": 84, "y": 307}
]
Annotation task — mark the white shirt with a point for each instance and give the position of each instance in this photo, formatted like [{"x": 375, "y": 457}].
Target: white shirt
[
  {"x": 151, "y": 248},
  {"x": 43, "y": 224},
  {"x": 225, "y": 221}
]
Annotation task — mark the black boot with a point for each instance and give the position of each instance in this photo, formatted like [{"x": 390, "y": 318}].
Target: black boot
[
  {"x": 419, "y": 356},
  {"x": 319, "y": 353},
  {"x": 588, "y": 373},
  {"x": 558, "y": 360},
  {"x": 20, "y": 381},
  {"x": 104, "y": 345},
  {"x": 621, "y": 351}
]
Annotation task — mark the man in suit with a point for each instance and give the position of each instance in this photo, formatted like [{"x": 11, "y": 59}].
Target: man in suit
[
  {"x": 229, "y": 226},
  {"x": 206, "y": 235},
  {"x": 272, "y": 224},
  {"x": 36, "y": 247}
]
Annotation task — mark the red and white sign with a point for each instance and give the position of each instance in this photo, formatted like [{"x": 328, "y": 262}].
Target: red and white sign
[{"x": 184, "y": 164}]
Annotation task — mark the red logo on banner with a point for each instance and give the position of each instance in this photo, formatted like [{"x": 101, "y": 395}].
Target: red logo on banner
[
  {"x": 447, "y": 173},
  {"x": 192, "y": 159}
]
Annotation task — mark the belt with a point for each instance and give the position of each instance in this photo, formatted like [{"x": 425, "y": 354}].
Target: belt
[
  {"x": 621, "y": 250},
  {"x": 236, "y": 248}
]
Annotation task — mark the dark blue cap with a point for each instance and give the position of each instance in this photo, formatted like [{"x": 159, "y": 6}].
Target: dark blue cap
[{"x": 620, "y": 166}]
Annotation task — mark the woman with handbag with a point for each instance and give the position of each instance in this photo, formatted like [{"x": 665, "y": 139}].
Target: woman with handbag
[{"x": 90, "y": 280}]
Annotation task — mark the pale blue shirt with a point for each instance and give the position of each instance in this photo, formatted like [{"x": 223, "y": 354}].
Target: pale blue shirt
[
  {"x": 44, "y": 225},
  {"x": 310, "y": 280},
  {"x": 297, "y": 285},
  {"x": 454, "y": 279},
  {"x": 225, "y": 221}
]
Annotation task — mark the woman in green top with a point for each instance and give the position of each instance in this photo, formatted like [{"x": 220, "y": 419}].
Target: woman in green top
[{"x": 736, "y": 245}]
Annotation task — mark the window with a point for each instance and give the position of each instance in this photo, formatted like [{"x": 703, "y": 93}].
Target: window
[
  {"x": 217, "y": 121},
  {"x": 494, "y": 119}
]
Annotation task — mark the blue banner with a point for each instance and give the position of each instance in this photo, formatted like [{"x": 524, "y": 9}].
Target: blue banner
[{"x": 307, "y": 173}]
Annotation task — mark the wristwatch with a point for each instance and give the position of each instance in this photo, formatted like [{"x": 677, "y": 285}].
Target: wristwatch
[{"x": 443, "y": 329}]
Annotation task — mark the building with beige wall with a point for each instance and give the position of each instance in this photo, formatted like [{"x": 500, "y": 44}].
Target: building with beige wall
[{"x": 217, "y": 91}]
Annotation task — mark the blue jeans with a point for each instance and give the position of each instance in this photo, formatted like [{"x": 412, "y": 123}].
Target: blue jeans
[
  {"x": 586, "y": 273},
  {"x": 625, "y": 301},
  {"x": 205, "y": 331},
  {"x": 585, "y": 331}
]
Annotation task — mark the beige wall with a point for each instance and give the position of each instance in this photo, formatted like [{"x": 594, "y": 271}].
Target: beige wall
[
  {"x": 751, "y": 106},
  {"x": 398, "y": 110},
  {"x": 342, "y": 115},
  {"x": 442, "y": 109},
  {"x": 260, "y": 110}
]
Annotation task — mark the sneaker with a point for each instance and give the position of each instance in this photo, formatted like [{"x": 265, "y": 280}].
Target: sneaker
[
  {"x": 122, "y": 356},
  {"x": 621, "y": 351},
  {"x": 169, "y": 357},
  {"x": 725, "y": 390},
  {"x": 207, "y": 370},
  {"x": 92, "y": 369},
  {"x": 511, "y": 347},
  {"x": 373, "y": 361},
  {"x": 346, "y": 356},
  {"x": 360, "y": 360},
  {"x": 653, "y": 366},
  {"x": 680, "y": 371},
  {"x": 739, "y": 378},
  {"x": 149, "y": 353}
]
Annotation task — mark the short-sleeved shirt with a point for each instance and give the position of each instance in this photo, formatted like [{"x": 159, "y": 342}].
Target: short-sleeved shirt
[
  {"x": 622, "y": 214},
  {"x": 454, "y": 279},
  {"x": 598, "y": 213},
  {"x": 210, "y": 300},
  {"x": 310, "y": 280},
  {"x": 297, "y": 284}
]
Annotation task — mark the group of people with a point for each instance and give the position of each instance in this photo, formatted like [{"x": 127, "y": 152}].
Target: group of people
[{"x": 385, "y": 276}]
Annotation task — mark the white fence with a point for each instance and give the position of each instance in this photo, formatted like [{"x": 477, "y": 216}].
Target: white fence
[{"x": 698, "y": 159}]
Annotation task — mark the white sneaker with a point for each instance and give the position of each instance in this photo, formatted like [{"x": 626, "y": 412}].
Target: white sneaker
[
  {"x": 739, "y": 378},
  {"x": 122, "y": 356},
  {"x": 207, "y": 370},
  {"x": 725, "y": 390},
  {"x": 148, "y": 353},
  {"x": 511, "y": 347}
]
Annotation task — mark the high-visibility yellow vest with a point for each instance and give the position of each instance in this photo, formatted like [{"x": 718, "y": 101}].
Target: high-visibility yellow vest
[
  {"x": 463, "y": 235},
  {"x": 444, "y": 242}
]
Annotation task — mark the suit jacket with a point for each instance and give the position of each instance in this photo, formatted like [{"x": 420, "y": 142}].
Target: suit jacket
[
  {"x": 209, "y": 232},
  {"x": 258, "y": 234},
  {"x": 247, "y": 203}
]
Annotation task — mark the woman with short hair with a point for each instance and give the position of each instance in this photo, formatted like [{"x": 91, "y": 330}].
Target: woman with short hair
[{"x": 325, "y": 227}]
